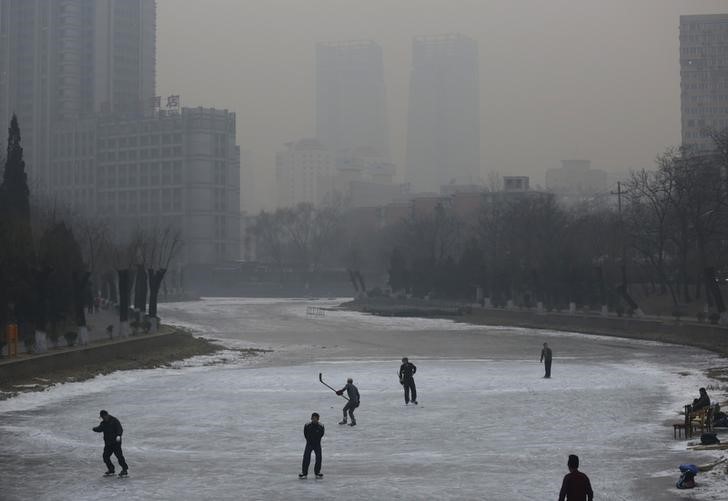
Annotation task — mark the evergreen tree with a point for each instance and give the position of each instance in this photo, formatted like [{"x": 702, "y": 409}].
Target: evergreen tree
[{"x": 16, "y": 246}]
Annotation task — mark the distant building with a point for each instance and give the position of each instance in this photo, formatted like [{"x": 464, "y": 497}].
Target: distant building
[
  {"x": 304, "y": 173},
  {"x": 62, "y": 60},
  {"x": 515, "y": 183},
  {"x": 350, "y": 97},
  {"x": 443, "y": 130},
  {"x": 703, "y": 77},
  {"x": 180, "y": 170},
  {"x": 576, "y": 178}
]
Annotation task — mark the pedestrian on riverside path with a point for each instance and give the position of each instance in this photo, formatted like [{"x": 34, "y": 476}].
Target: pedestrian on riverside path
[
  {"x": 112, "y": 430},
  {"x": 576, "y": 485},
  {"x": 546, "y": 355},
  {"x": 407, "y": 380},
  {"x": 353, "y": 394},
  {"x": 314, "y": 432}
]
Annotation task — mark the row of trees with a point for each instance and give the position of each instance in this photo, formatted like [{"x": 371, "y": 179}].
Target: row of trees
[
  {"x": 667, "y": 236},
  {"x": 52, "y": 263}
]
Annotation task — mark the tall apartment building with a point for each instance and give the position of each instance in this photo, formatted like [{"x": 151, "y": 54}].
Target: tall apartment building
[
  {"x": 575, "y": 179},
  {"x": 443, "y": 132},
  {"x": 350, "y": 97},
  {"x": 304, "y": 173},
  {"x": 703, "y": 77},
  {"x": 61, "y": 60},
  {"x": 179, "y": 169}
]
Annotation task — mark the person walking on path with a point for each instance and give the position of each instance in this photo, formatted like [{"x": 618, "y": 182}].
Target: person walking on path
[
  {"x": 407, "y": 379},
  {"x": 353, "y": 394},
  {"x": 576, "y": 485},
  {"x": 314, "y": 432},
  {"x": 546, "y": 355},
  {"x": 112, "y": 430}
]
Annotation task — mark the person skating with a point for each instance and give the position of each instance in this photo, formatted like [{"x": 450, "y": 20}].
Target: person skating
[
  {"x": 314, "y": 432},
  {"x": 546, "y": 355},
  {"x": 407, "y": 380},
  {"x": 353, "y": 394},
  {"x": 576, "y": 485},
  {"x": 112, "y": 430}
]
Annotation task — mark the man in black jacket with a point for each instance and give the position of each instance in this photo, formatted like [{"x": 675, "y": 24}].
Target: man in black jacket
[
  {"x": 353, "y": 393},
  {"x": 112, "y": 430},
  {"x": 406, "y": 378},
  {"x": 546, "y": 355},
  {"x": 314, "y": 432}
]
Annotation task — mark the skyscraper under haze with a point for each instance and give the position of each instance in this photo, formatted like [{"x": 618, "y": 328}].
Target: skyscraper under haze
[
  {"x": 703, "y": 77},
  {"x": 350, "y": 98},
  {"x": 62, "y": 60},
  {"x": 443, "y": 131}
]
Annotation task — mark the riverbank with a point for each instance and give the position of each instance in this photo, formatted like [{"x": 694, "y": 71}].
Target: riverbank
[
  {"x": 666, "y": 330},
  {"x": 39, "y": 372}
]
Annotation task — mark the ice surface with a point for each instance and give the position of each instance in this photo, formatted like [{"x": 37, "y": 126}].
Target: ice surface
[{"x": 488, "y": 426}]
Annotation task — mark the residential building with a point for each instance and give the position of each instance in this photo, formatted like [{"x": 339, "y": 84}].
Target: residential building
[
  {"x": 515, "y": 183},
  {"x": 62, "y": 60},
  {"x": 576, "y": 179},
  {"x": 304, "y": 173},
  {"x": 703, "y": 77},
  {"x": 173, "y": 169},
  {"x": 350, "y": 97},
  {"x": 443, "y": 131}
]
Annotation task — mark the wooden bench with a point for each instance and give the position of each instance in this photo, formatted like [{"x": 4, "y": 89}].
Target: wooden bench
[{"x": 702, "y": 419}]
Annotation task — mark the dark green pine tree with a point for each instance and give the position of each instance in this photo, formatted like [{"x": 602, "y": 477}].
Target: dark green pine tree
[
  {"x": 15, "y": 194},
  {"x": 16, "y": 241}
]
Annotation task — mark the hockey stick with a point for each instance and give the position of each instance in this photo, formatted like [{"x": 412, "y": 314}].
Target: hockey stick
[{"x": 321, "y": 378}]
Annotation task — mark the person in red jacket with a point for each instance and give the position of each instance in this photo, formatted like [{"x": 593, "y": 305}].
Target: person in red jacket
[{"x": 576, "y": 485}]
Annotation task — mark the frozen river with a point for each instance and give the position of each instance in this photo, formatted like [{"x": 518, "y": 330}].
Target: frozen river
[{"x": 488, "y": 427}]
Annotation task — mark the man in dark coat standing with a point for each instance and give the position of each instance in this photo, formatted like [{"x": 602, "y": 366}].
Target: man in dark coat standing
[
  {"x": 576, "y": 485},
  {"x": 546, "y": 359},
  {"x": 112, "y": 430},
  {"x": 407, "y": 380},
  {"x": 314, "y": 432}
]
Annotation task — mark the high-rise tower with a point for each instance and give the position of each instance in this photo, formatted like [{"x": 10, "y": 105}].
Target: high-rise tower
[
  {"x": 443, "y": 132},
  {"x": 62, "y": 60},
  {"x": 703, "y": 77},
  {"x": 350, "y": 98}
]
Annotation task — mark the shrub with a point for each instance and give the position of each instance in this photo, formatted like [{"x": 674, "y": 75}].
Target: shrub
[
  {"x": 700, "y": 316},
  {"x": 714, "y": 318}
]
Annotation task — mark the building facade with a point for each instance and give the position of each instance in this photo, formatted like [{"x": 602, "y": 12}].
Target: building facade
[
  {"x": 576, "y": 179},
  {"x": 304, "y": 173},
  {"x": 350, "y": 97},
  {"x": 443, "y": 131},
  {"x": 703, "y": 78},
  {"x": 174, "y": 169},
  {"x": 63, "y": 60}
]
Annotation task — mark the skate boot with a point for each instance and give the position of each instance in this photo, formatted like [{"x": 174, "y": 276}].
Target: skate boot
[
  {"x": 301, "y": 475},
  {"x": 343, "y": 421},
  {"x": 353, "y": 422},
  {"x": 109, "y": 473},
  {"x": 319, "y": 475},
  {"x": 124, "y": 473},
  {"x": 415, "y": 402}
]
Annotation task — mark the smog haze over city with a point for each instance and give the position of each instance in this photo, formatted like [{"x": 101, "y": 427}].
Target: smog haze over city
[
  {"x": 448, "y": 250},
  {"x": 594, "y": 79}
]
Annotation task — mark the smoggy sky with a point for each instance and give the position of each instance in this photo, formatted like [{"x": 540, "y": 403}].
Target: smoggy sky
[{"x": 595, "y": 79}]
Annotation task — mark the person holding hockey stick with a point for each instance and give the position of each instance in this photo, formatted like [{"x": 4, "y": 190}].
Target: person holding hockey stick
[
  {"x": 112, "y": 430},
  {"x": 353, "y": 393},
  {"x": 314, "y": 432},
  {"x": 407, "y": 380}
]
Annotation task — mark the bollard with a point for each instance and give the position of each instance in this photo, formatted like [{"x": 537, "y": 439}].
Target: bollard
[{"x": 11, "y": 339}]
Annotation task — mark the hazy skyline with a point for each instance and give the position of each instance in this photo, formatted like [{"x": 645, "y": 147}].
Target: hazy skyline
[{"x": 559, "y": 79}]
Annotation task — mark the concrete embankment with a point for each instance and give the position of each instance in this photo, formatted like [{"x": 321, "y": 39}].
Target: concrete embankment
[{"x": 75, "y": 364}]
